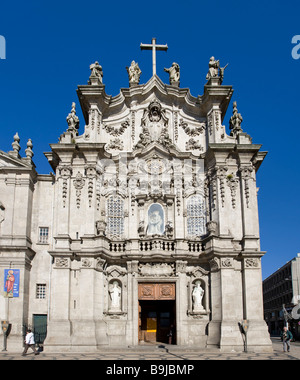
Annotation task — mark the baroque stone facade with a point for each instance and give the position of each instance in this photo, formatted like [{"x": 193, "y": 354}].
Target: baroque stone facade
[{"x": 148, "y": 224}]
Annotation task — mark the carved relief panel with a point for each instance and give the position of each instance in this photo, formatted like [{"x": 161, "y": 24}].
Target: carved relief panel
[{"x": 156, "y": 291}]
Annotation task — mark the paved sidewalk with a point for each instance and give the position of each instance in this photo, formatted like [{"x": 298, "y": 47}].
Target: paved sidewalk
[{"x": 162, "y": 352}]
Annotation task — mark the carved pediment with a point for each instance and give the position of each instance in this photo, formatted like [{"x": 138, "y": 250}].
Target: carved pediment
[
  {"x": 8, "y": 161},
  {"x": 116, "y": 271}
]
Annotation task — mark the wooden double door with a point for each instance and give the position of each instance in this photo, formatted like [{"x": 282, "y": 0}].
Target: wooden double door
[{"x": 157, "y": 313}]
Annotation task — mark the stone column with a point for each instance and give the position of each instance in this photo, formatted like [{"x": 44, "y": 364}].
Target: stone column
[
  {"x": 181, "y": 303},
  {"x": 214, "y": 326},
  {"x": 59, "y": 326},
  {"x": 257, "y": 333},
  {"x": 231, "y": 303}
]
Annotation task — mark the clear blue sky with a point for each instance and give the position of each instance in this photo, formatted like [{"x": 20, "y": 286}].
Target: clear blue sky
[{"x": 50, "y": 45}]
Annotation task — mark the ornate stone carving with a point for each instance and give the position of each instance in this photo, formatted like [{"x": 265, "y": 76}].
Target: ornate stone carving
[
  {"x": 117, "y": 131},
  {"x": 246, "y": 174},
  {"x": 251, "y": 262},
  {"x": 227, "y": 262},
  {"x": 73, "y": 120},
  {"x": 100, "y": 227},
  {"x": 86, "y": 263},
  {"x": 141, "y": 228},
  {"x": 232, "y": 183},
  {"x": 221, "y": 173},
  {"x": 116, "y": 271},
  {"x": 190, "y": 131},
  {"x": 154, "y": 127},
  {"x": 156, "y": 270},
  {"x": 214, "y": 264},
  {"x": 193, "y": 144},
  {"x": 212, "y": 227},
  {"x": 115, "y": 144},
  {"x": 100, "y": 264},
  {"x": 61, "y": 262},
  {"x": 79, "y": 183},
  {"x": 181, "y": 266},
  {"x": 65, "y": 171},
  {"x": 235, "y": 121}
]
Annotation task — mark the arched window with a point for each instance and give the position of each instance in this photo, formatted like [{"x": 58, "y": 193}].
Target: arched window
[
  {"x": 196, "y": 216},
  {"x": 115, "y": 216}
]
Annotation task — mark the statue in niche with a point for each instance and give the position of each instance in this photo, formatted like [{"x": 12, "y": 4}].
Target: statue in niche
[
  {"x": 115, "y": 296},
  {"x": 134, "y": 73},
  {"x": 155, "y": 220},
  {"x": 197, "y": 296},
  {"x": 174, "y": 74}
]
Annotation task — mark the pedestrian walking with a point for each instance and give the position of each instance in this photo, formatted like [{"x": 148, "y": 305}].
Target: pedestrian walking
[
  {"x": 29, "y": 342},
  {"x": 286, "y": 337}
]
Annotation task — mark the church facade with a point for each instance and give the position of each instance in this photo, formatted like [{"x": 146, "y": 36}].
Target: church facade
[{"x": 147, "y": 229}]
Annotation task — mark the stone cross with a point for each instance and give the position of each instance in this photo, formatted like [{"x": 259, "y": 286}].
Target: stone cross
[{"x": 153, "y": 47}]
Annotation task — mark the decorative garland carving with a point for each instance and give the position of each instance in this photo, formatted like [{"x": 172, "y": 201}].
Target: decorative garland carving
[
  {"x": 117, "y": 131},
  {"x": 196, "y": 131}
]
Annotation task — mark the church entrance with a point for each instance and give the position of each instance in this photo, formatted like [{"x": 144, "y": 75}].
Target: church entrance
[{"x": 157, "y": 313}]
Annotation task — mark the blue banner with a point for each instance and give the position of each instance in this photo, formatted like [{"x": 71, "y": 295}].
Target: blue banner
[{"x": 11, "y": 282}]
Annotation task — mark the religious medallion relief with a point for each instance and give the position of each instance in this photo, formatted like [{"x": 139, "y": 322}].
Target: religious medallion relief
[{"x": 154, "y": 126}]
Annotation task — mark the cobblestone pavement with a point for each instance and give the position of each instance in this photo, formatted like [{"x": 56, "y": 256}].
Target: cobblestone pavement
[{"x": 162, "y": 352}]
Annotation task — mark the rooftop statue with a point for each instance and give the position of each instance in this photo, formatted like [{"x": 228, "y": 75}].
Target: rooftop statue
[
  {"x": 134, "y": 73},
  {"x": 96, "y": 76},
  {"x": 174, "y": 74},
  {"x": 215, "y": 71}
]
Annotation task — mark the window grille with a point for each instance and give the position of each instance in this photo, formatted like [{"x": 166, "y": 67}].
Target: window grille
[
  {"x": 40, "y": 291},
  {"x": 115, "y": 216},
  {"x": 196, "y": 219},
  {"x": 43, "y": 234}
]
